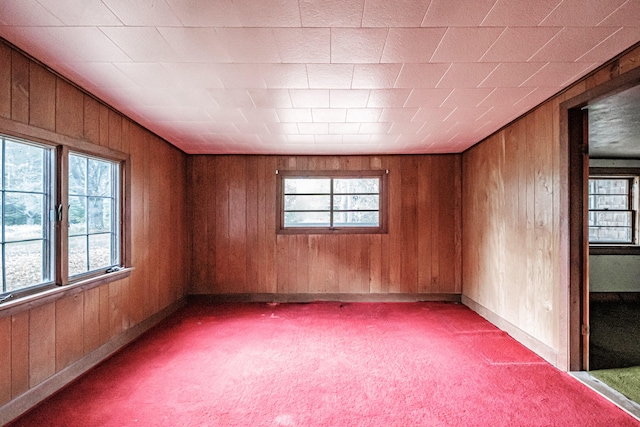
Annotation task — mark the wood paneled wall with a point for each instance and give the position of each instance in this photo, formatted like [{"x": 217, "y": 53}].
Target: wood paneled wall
[
  {"x": 512, "y": 248},
  {"x": 236, "y": 249},
  {"x": 43, "y": 340}
]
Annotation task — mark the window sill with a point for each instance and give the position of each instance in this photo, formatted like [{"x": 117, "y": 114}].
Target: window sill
[
  {"x": 28, "y": 302},
  {"x": 614, "y": 250}
]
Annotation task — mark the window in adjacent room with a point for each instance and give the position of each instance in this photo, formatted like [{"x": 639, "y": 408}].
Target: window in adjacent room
[
  {"x": 613, "y": 210},
  {"x": 332, "y": 202}
]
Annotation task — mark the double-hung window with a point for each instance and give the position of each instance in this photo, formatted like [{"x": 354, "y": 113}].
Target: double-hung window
[
  {"x": 332, "y": 202},
  {"x": 55, "y": 230},
  {"x": 613, "y": 210}
]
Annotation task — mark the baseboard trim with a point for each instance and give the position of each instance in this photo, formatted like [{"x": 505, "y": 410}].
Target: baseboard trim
[
  {"x": 541, "y": 349},
  {"x": 23, "y": 403},
  {"x": 341, "y": 297}
]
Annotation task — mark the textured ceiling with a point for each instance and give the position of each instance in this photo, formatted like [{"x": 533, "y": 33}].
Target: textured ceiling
[{"x": 322, "y": 76}]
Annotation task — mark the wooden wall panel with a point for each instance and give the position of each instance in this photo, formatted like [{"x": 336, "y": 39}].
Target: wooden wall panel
[
  {"x": 243, "y": 254},
  {"x": 511, "y": 249},
  {"x": 42, "y": 340},
  {"x": 42, "y": 103}
]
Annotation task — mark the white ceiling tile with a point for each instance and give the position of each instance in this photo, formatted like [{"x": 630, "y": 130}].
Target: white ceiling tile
[
  {"x": 303, "y": 45},
  {"x": 466, "y": 96},
  {"x": 27, "y": 13},
  {"x": 410, "y": 45},
  {"x": 81, "y": 12},
  {"x": 331, "y": 13},
  {"x": 294, "y": 115},
  {"x": 226, "y": 115},
  {"x": 427, "y": 97},
  {"x": 399, "y": 13},
  {"x": 465, "y": 44},
  {"x": 194, "y": 75},
  {"x": 357, "y": 45},
  {"x": 581, "y": 12},
  {"x": 374, "y": 128},
  {"x": 571, "y": 43},
  {"x": 356, "y": 139},
  {"x": 270, "y": 98},
  {"x": 344, "y": 128},
  {"x": 509, "y": 13},
  {"x": 627, "y": 15},
  {"x": 556, "y": 74},
  {"x": 268, "y": 13},
  {"x": 249, "y": 45},
  {"x": 330, "y": 76},
  {"x": 239, "y": 76},
  {"x": 283, "y": 128},
  {"x": 388, "y": 97},
  {"x": 421, "y": 75},
  {"x": 329, "y": 115},
  {"x": 236, "y": 98},
  {"x": 466, "y": 75},
  {"x": 375, "y": 76},
  {"x": 405, "y": 114},
  {"x": 283, "y": 76},
  {"x": 146, "y": 74},
  {"x": 106, "y": 73},
  {"x": 511, "y": 74},
  {"x": 206, "y": 13},
  {"x": 251, "y": 127},
  {"x": 355, "y": 98},
  {"x": 156, "y": 13},
  {"x": 363, "y": 114},
  {"x": 617, "y": 42},
  {"x": 144, "y": 44},
  {"x": 462, "y": 13},
  {"x": 411, "y": 128},
  {"x": 505, "y": 96},
  {"x": 312, "y": 98},
  {"x": 313, "y": 128},
  {"x": 260, "y": 115},
  {"x": 195, "y": 44},
  {"x": 518, "y": 44}
]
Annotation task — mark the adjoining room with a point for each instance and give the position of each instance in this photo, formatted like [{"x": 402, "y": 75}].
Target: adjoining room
[{"x": 319, "y": 212}]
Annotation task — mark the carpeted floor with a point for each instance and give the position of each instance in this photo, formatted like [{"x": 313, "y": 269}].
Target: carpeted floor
[{"x": 326, "y": 364}]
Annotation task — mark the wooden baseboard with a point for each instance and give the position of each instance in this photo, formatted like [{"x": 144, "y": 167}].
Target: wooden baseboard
[
  {"x": 56, "y": 382},
  {"x": 541, "y": 349},
  {"x": 305, "y": 298}
]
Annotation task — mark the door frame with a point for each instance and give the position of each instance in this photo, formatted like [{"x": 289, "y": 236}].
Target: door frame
[{"x": 574, "y": 173}]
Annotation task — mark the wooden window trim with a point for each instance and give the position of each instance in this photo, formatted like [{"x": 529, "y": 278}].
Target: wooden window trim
[
  {"x": 383, "y": 197},
  {"x": 62, "y": 286},
  {"x": 618, "y": 248}
]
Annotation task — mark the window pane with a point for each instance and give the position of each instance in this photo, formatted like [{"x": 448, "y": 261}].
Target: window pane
[
  {"x": 356, "y": 185},
  {"x": 356, "y": 219},
  {"x": 598, "y": 201},
  {"x": 78, "y": 255},
  {"x": 307, "y": 203},
  {"x": 77, "y": 175},
  {"x": 610, "y": 235},
  {"x": 99, "y": 251},
  {"x": 77, "y": 215},
  {"x": 307, "y": 186},
  {"x": 356, "y": 202},
  {"x": 307, "y": 219},
  {"x": 99, "y": 178},
  {"x": 610, "y": 219},
  {"x": 23, "y": 264},
  {"x": 24, "y": 167},
  {"x": 23, "y": 216},
  {"x": 609, "y": 186},
  {"x": 99, "y": 214}
]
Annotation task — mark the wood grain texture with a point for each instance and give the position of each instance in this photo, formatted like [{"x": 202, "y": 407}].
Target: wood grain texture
[
  {"x": 46, "y": 339},
  {"x": 243, "y": 254},
  {"x": 512, "y": 249},
  {"x": 5, "y": 360}
]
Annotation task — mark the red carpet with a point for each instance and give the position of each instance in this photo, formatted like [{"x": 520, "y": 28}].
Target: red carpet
[{"x": 326, "y": 364}]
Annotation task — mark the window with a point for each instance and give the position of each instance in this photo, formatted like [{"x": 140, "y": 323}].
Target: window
[
  {"x": 56, "y": 231},
  {"x": 93, "y": 214},
  {"x": 332, "y": 202},
  {"x": 27, "y": 229},
  {"x": 612, "y": 210}
]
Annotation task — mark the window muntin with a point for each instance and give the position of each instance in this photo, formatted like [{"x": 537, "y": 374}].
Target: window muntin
[
  {"x": 611, "y": 210},
  {"x": 27, "y": 200},
  {"x": 332, "y": 202},
  {"x": 93, "y": 214}
]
